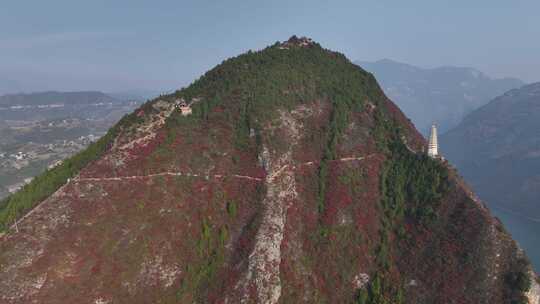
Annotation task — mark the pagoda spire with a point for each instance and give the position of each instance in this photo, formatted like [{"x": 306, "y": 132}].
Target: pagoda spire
[{"x": 433, "y": 147}]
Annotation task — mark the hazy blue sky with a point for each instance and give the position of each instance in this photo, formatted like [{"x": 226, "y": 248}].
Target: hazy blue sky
[{"x": 121, "y": 45}]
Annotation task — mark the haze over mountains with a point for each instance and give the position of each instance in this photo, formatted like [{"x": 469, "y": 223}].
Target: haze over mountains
[
  {"x": 497, "y": 149},
  {"x": 53, "y": 105},
  {"x": 294, "y": 180},
  {"x": 443, "y": 95},
  {"x": 494, "y": 147},
  {"x": 8, "y": 86}
]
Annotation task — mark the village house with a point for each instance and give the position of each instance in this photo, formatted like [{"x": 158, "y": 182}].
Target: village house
[
  {"x": 55, "y": 164},
  {"x": 19, "y": 155},
  {"x": 14, "y": 188}
]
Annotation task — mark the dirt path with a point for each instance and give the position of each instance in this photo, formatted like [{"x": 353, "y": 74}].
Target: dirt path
[
  {"x": 275, "y": 174},
  {"x": 134, "y": 177},
  {"x": 169, "y": 173}
]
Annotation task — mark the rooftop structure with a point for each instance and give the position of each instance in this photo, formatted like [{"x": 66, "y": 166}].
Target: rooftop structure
[
  {"x": 295, "y": 41},
  {"x": 55, "y": 164}
]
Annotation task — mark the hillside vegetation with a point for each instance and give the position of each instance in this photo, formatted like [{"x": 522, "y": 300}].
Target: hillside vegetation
[{"x": 295, "y": 180}]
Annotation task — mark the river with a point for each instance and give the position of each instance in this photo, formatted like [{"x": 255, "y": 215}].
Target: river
[{"x": 525, "y": 230}]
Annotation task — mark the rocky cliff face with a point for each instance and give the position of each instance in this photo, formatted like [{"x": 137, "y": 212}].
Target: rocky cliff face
[{"x": 295, "y": 180}]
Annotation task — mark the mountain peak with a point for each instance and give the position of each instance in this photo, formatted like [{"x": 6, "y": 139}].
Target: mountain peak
[
  {"x": 298, "y": 42},
  {"x": 295, "y": 179},
  {"x": 532, "y": 87}
]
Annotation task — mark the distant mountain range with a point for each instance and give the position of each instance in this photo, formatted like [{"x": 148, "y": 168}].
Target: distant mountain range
[
  {"x": 8, "y": 86},
  {"x": 136, "y": 94},
  {"x": 443, "y": 95},
  {"x": 54, "y": 105},
  {"x": 497, "y": 149},
  {"x": 53, "y": 97}
]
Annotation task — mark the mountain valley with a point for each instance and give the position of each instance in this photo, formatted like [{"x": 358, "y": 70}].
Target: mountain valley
[
  {"x": 39, "y": 130},
  {"x": 443, "y": 95}
]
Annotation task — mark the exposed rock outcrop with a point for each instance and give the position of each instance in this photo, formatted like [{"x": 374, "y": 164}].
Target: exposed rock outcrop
[{"x": 294, "y": 180}]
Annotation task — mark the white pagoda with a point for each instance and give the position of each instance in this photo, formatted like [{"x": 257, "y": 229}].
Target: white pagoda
[{"x": 433, "y": 146}]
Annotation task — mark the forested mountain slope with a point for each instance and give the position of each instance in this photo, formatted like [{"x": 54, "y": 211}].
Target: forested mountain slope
[{"x": 295, "y": 180}]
